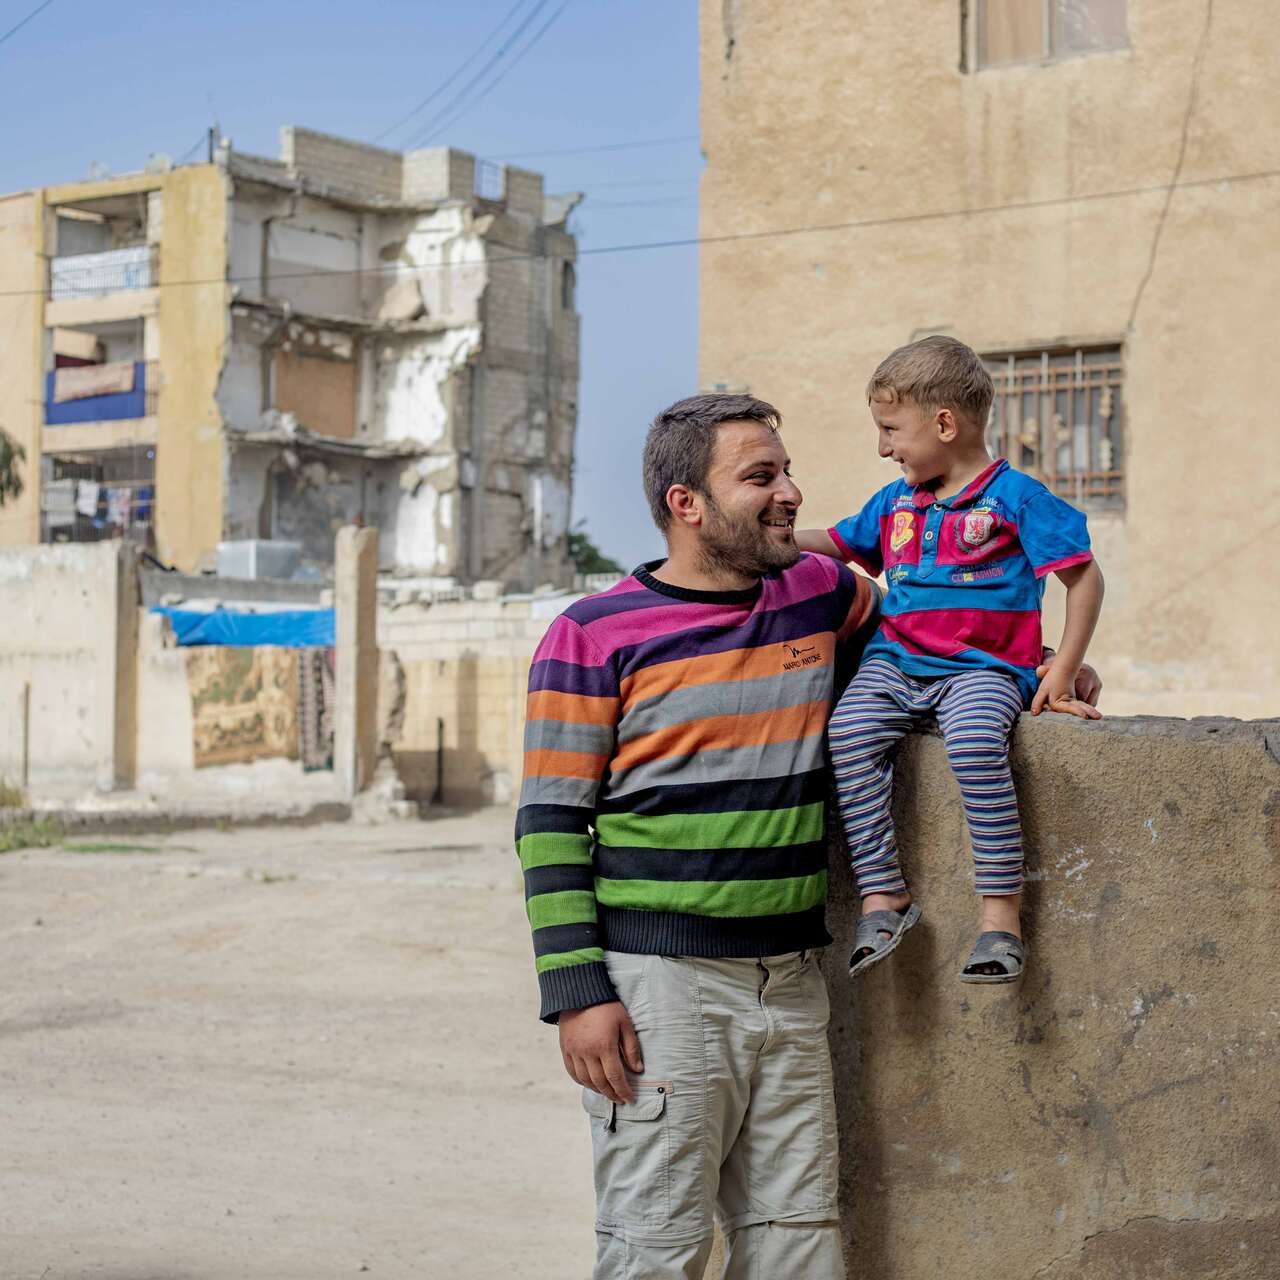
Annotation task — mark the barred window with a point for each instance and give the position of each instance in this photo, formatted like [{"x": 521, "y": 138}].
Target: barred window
[
  {"x": 1058, "y": 414},
  {"x": 1013, "y": 31}
]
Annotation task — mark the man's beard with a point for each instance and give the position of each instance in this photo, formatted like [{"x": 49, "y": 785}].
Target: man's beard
[{"x": 741, "y": 544}]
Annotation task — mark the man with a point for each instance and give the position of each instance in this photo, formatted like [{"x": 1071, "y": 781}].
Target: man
[{"x": 671, "y": 831}]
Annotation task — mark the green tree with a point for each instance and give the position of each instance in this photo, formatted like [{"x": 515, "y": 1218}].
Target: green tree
[
  {"x": 11, "y": 453},
  {"x": 586, "y": 556}
]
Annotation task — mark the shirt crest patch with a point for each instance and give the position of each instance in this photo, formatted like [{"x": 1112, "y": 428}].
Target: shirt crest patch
[
  {"x": 904, "y": 527},
  {"x": 976, "y": 528}
]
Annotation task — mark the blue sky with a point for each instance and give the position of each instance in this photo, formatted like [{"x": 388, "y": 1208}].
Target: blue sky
[{"x": 81, "y": 84}]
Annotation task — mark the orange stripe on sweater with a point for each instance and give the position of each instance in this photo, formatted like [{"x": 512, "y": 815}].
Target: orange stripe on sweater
[
  {"x": 720, "y": 668},
  {"x": 572, "y": 708},
  {"x": 545, "y": 763},
  {"x": 717, "y": 732}
]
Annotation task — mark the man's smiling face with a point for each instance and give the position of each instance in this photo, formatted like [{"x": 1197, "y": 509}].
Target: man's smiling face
[{"x": 751, "y": 501}]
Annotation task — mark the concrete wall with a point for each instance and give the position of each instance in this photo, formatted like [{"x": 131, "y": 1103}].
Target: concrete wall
[
  {"x": 839, "y": 121},
  {"x": 466, "y": 663},
  {"x": 341, "y": 164},
  {"x": 70, "y": 639},
  {"x": 1117, "y": 1114}
]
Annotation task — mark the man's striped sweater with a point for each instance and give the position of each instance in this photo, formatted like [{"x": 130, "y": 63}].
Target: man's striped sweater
[{"x": 674, "y": 787}]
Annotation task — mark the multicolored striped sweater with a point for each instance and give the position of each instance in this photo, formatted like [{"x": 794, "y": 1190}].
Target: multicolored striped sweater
[{"x": 675, "y": 785}]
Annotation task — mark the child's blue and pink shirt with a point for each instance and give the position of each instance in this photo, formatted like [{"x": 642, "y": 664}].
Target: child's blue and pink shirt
[{"x": 965, "y": 573}]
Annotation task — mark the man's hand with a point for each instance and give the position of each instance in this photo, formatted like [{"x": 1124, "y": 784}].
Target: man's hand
[
  {"x": 596, "y": 1044},
  {"x": 1072, "y": 693}
]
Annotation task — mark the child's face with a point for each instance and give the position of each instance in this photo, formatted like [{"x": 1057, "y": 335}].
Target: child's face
[{"x": 911, "y": 437}]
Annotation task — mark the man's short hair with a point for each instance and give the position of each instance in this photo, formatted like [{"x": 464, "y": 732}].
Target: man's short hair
[
  {"x": 682, "y": 440},
  {"x": 936, "y": 373}
]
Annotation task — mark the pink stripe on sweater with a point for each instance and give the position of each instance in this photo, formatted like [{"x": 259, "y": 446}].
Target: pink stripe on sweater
[{"x": 639, "y": 625}]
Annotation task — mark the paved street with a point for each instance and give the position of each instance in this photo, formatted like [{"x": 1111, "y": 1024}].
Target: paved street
[{"x": 290, "y": 1052}]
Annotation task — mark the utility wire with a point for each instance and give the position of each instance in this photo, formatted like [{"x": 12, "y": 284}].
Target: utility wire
[
  {"x": 458, "y": 70},
  {"x": 606, "y": 146},
  {"x": 190, "y": 151},
  {"x": 13, "y": 31},
  {"x": 730, "y": 237},
  {"x": 498, "y": 54},
  {"x": 502, "y": 73}
]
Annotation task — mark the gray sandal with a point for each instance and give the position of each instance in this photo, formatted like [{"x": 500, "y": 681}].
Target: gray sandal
[
  {"x": 870, "y": 932},
  {"x": 996, "y": 947}
]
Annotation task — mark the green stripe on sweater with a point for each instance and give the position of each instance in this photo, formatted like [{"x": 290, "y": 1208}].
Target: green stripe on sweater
[
  {"x": 563, "y": 959},
  {"x": 751, "y": 829},
  {"x": 570, "y": 906},
  {"x": 728, "y": 898},
  {"x": 553, "y": 848}
]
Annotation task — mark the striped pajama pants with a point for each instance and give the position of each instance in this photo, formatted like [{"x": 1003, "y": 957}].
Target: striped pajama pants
[{"x": 976, "y": 711}]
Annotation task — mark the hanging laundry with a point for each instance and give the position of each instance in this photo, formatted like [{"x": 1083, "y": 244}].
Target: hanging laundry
[
  {"x": 87, "y": 498},
  {"x": 93, "y": 380},
  {"x": 142, "y": 500},
  {"x": 118, "y": 504},
  {"x": 58, "y": 498}
]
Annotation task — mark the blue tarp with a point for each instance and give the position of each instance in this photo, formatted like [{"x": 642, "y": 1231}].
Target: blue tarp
[
  {"x": 289, "y": 628},
  {"x": 124, "y": 404}
]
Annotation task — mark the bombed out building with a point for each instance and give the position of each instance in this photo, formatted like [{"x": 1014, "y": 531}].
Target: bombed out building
[{"x": 259, "y": 351}]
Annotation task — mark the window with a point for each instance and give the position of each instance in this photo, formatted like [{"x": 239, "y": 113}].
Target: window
[
  {"x": 1013, "y": 31},
  {"x": 94, "y": 495},
  {"x": 1058, "y": 415}
]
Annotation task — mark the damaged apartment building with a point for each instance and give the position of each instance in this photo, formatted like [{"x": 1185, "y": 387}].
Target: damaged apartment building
[{"x": 256, "y": 350}]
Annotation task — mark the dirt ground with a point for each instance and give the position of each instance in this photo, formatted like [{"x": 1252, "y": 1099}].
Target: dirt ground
[{"x": 282, "y": 1052}]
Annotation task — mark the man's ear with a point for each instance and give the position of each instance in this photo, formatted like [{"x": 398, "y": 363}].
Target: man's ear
[
  {"x": 945, "y": 424},
  {"x": 685, "y": 505}
]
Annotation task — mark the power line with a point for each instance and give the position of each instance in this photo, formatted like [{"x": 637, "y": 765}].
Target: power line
[
  {"x": 606, "y": 146},
  {"x": 461, "y": 67},
  {"x": 731, "y": 237},
  {"x": 13, "y": 31},
  {"x": 498, "y": 54},
  {"x": 503, "y": 72},
  {"x": 199, "y": 142}
]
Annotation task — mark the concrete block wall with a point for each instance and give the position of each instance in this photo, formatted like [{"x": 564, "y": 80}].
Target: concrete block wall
[
  {"x": 522, "y": 191},
  {"x": 353, "y": 167},
  {"x": 438, "y": 173},
  {"x": 466, "y": 663}
]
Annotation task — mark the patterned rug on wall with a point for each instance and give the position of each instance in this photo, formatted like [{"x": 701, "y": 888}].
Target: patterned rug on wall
[{"x": 244, "y": 703}]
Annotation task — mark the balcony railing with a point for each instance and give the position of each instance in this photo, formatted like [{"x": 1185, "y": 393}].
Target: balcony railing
[{"x": 91, "y": 275}]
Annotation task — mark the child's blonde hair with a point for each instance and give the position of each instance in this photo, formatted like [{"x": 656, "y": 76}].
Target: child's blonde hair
[{"x": 936, "y": 373}]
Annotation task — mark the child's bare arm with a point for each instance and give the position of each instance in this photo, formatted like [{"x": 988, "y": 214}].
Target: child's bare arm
[
  {"x": 1084, "y": 603},
  {"x": 819, "y": 541}
]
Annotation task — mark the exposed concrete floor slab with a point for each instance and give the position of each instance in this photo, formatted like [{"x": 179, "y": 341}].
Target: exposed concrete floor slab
[{"x": 282, "y": 1053}]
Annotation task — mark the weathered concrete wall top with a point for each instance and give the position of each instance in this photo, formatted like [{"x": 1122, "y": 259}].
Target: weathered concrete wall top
[{"x": 1118, "y": 1114}]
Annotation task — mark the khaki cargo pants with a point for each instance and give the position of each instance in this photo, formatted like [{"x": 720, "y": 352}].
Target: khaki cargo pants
[{"x": 733, "y": 1121}]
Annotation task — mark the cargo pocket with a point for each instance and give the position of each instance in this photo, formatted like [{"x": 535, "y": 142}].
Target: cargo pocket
[{"x": 631, "y": 1155}]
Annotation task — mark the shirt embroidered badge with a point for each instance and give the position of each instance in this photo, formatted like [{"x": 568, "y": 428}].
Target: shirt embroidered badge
[
  {"x": 976, "y": 528},
  {"x": 904, "y": 527}
]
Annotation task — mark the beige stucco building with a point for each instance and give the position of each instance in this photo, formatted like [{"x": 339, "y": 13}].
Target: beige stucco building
[
  {"x": 1088, "y": 193},
  {"x": 264, "y": 350}
]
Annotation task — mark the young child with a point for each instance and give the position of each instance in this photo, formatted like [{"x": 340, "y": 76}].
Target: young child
[{"x": 965, "y": 543}]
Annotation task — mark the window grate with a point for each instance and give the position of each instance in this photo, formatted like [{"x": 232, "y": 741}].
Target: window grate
[{"x": 1059, "y": 415}]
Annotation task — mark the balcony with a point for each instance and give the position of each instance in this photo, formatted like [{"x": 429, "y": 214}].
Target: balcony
[
  {"x": 93, "y": 275},
  {"x": 101, "y": 393}
]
